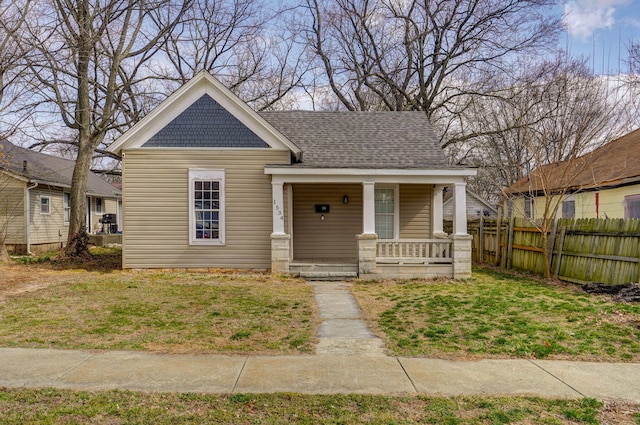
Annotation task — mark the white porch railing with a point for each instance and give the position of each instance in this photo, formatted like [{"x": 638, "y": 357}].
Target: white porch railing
[{"x": 414, "y": 251}]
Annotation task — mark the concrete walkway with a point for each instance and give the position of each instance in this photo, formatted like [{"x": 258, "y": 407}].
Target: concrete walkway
[
  {"x": 84, "y": 370},
  {"x": 343, "y": 332}
]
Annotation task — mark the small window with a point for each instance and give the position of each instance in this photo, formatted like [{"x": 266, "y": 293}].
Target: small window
[
  {"x": 569, "y": 209},
  {"x": 528, "y": 207},
  {"x": 632, "y": 206},
  {"x": 67, "y": 207},
  {"x": 206, "y": 207},
  {"x": 385, "y": 205},
  {"x": 45, "y": 205},
  {"x": 98, "y": 205}
]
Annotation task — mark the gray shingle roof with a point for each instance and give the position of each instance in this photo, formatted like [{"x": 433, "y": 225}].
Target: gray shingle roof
[
  {"x": 48, "y": 169},
  {"x": 399, "y": 140},
  {"x": 205, "y": 124}
]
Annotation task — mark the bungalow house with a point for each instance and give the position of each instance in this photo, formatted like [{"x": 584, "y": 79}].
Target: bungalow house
[
  {"x": 604, "y": 183},
  {"x": 35, "y": 199},
  {"x": 210, "y": 183}
]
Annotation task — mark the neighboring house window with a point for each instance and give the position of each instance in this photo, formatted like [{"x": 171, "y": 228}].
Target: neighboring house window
[
  {"x": 385, "y": 204},
  {"x": 98, "y": 205},
  {"x": 45, "y": 204},
  {"x": 569, "y": 209},
  {"x": 528, "y": 204},
  {"x": 632, "y": 206},
  {"x": 206, "y": 207},
  {"x": 67, "y": 207}
]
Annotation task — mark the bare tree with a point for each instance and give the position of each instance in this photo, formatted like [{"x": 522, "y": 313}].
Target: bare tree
[
  {"x": 560, "y": 119},
  {"x": 431, "y": 56},
  {"x": 90, "y": 59},
  {"x": 13, "y": 83},
  {"x": 7, "y": 209},
  {"x": 14, "y": 78},
  {"x": 634, "y": 57},
  {"x": 244, "y": 43}
]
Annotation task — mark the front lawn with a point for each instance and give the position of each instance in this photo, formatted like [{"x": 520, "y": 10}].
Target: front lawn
[
  {"x": 26, "y": 406},
  {"x": 496, "y": 314},
  {"x": 175, "y": 312}
]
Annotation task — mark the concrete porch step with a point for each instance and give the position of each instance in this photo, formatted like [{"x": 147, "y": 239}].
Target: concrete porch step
[
  {"x": 324, "y": 270},
  {"x": 328, "y": 275}
]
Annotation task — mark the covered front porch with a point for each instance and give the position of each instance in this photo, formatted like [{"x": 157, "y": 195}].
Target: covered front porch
[{"x": 368, "y": 223}]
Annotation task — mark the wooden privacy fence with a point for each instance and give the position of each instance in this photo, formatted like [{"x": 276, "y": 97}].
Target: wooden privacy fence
[{"x": 584, "y": 250}]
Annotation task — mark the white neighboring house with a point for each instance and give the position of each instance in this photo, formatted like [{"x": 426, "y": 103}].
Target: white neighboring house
[
  {"x": 476, "y": 207},
  {"x": 35, "y": 200}
]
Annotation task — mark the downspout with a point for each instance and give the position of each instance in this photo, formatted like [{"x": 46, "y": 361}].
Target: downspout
[{"x": 28, "y": 216}]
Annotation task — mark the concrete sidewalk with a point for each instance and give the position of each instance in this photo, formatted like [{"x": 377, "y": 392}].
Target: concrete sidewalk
[{"x": 138, "y": 371}]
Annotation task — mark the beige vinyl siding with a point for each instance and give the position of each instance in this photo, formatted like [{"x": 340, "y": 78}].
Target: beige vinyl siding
[
  {"x": 12, "y": 209},
  {"x": 156, "y": 210},
  {"x": 333, "y": 238},
  {"x": 47, "y": 228},
  {"x": 415, "y": 211}
]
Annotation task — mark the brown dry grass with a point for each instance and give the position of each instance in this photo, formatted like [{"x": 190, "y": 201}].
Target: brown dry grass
[
  {"x": 19, "y": 406},
  {"x": 94, "y": 305}
]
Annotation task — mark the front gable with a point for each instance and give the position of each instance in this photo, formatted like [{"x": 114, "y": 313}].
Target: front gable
[
  {"x": 205, "y": 124},
  {"x": 203, "y": 114}
]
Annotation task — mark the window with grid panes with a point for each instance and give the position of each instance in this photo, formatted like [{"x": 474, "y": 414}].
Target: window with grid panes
[
  {"x": 385, "y": 212},
  {"x": 206, "y": 207}
]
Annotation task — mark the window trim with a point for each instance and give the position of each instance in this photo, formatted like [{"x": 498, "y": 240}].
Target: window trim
[
  {"x": 396, "y": 208},
  {"x": 627, "y": 200},
  {"x": 95, "y": 206},
  {"x": 563, "y": 208},
  {"x": 48, "y": 204},
  {"x": 528, "y": 207},
  {"x": 207, "y": 175},
  {"x": 66, "y": 207}
]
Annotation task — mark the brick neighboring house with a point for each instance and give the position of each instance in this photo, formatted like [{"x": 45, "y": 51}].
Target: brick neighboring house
[
  {"x": 35, "y": 199},
  {"x": 210, "y": 183},
  {"x": 604, "y": 183}
]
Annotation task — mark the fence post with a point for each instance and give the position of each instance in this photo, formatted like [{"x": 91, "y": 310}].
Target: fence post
[
  {"x": 509, "y": 258},
  {"x": 552, "y": 242},
  {"x": 556, "y": 274},
  {"x": 498, "y": 241},
  {"x": 481, "y": 240}
]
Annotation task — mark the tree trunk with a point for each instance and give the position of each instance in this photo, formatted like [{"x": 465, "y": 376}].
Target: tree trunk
[
  {"x": 547, "y": 252},
  {"x": 78, "y": 239},
  {"x": 4, "y": 254}
]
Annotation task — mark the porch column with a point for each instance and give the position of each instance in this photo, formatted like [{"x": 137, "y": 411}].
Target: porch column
[
  {"x": 461, "y": 239},
  {"x": 280, "y": 241},
  {"x": 368, "y": 208},
  {"x": 277, "y": 193},
  {"x": 437, "y": 212},
  {"x": 462, "y": 256},
  {"x": 367, "y": 255},
  {"x": 460, "y": 208}
]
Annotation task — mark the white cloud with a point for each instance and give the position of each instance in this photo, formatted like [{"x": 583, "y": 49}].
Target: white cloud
[{"x": 583, "y": 17}]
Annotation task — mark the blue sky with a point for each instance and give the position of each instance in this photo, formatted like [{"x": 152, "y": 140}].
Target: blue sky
[{"x": 601, "y": 29}]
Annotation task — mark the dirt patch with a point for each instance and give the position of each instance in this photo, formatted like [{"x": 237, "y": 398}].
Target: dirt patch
[
  {"x": 42, "y": 272},
  {"x": 620, "y": 413},
  {"x": 18, "y": 279}
]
